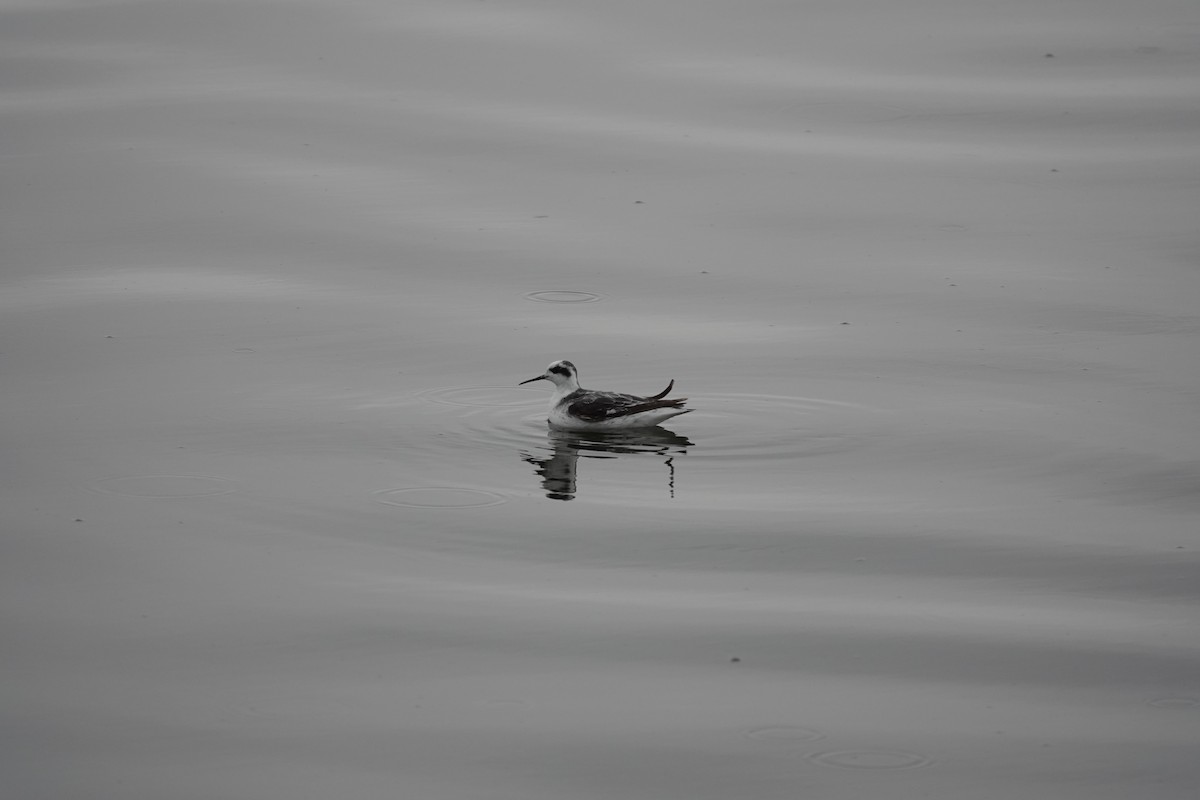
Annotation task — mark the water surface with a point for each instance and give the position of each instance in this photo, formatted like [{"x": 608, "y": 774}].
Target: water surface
[{"x": 279, "y": 523}]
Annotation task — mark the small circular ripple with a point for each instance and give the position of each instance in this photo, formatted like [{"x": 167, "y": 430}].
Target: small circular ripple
[
  {"x": 871, "y": 759},
  {"x": 784, "y": 733},
  {"x": 1174, "y": 702},
  {"x": 438, "y": 497},
  {"x": 166, "y": 485},
  {"x": 563, "y": 297},
  {"x": 484, "y": 396}
]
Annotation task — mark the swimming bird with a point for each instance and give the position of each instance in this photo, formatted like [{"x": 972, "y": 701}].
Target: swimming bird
[{"x": 573, "y": 408}]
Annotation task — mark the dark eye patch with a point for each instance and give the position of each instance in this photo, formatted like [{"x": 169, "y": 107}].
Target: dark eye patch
[{"x": 557, "y": 370}]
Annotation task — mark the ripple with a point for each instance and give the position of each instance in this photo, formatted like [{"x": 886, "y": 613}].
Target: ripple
[
  {"x": 1174, "y": 702},
  {"x": 498, "y": 416},
  {"x": 728, "y": 426},
  {"x": 166, "y": 485},
  {"x": 871, "y": 759},
  {"x": 757, "y": 426},
  {"x": 525, "y": 429},
  {"x": 484, "y": 396},
  {"x": 726, "y": 430},
  {"x": 438, "y": 497},
  {"x": 784, "y": 733},
  {"x": 563, "y": 297}
]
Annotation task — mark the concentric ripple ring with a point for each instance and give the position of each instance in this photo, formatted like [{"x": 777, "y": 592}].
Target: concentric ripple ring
[
  {"x": 871, "y": 759},
  {"x": 563, "y": 297},
  {"x": 483, "y": 396}
]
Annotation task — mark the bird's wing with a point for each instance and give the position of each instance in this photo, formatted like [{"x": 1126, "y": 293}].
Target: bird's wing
[
  {"x": 649, "y": 405},
  {"x": 598, "y": 406}
]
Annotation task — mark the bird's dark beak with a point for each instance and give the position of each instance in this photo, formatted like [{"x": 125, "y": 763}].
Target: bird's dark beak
[{"x": 531, "y": 380}]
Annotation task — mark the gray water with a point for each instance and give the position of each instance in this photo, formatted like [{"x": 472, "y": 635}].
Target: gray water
[{"x": 279, "y": 523}]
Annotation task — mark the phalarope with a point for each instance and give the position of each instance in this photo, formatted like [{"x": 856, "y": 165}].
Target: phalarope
[{"x": 576, "y": 409}]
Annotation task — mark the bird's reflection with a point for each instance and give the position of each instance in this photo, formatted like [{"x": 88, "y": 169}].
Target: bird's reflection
[{"x": 558, "y": 472}]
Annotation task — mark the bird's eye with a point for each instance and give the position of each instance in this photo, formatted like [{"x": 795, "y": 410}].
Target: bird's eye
[{"x": 560, "y": 371}]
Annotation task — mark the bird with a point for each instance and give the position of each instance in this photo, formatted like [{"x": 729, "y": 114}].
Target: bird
[{"x": 573, "y": 408}]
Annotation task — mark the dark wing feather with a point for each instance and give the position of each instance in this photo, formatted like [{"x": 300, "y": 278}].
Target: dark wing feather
[
  {"x": 597, "y": 407},
  {"x": 649, "y": 405}
]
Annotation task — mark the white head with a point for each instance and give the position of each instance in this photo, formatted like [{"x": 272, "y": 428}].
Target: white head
[{"x": 562, "y": 374}]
